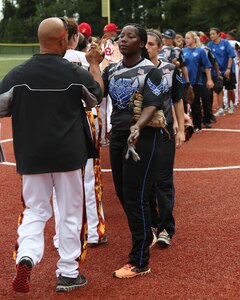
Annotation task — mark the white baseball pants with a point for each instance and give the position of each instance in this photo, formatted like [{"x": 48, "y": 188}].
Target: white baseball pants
[{"x": 37, "y": 190}]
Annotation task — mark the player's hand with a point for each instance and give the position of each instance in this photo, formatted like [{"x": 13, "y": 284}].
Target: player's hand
[
  {"x": 179, "y": 139},
  {"x": 134, "y": 134},
  {"x": 95, "y": 54},
  {"x": 227, "y": 74},
  {"x": 210, "y": 84}
]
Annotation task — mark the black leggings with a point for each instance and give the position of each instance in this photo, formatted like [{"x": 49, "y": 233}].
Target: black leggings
[
  {"x": 162, "y": 195},
  {"x": 196, "y": 106},
  {"x": 133, "y": 183}
]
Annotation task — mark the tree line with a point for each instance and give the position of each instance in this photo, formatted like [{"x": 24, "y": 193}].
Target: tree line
[{"x": 22, "y": 17}]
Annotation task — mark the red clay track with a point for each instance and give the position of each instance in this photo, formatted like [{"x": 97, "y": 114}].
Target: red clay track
[{"x": 203, "y": 261}]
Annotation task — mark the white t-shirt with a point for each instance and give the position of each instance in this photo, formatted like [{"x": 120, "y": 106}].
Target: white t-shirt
[
  {"x": 78, "y": 57},
  {"x": 233, "y": 44}
]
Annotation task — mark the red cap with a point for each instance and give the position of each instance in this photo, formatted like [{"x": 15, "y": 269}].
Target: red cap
[
  {"x": 85, "y": 29},
  {"x": 204, "y": 39},
  {"x": 111, "y": 27},
  {"x": 223, "y": 35}
]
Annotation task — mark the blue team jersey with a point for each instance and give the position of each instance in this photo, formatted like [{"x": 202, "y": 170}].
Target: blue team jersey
[
  {"x": 222, "y": 52},
  {"x": 195, "y": 60}
]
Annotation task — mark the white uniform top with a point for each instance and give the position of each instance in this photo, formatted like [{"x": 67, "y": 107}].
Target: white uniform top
[
  {"x": 233, "y": 44},
  {"x": 75, "y": 56}
]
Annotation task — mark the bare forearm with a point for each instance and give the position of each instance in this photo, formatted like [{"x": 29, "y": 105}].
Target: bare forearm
[
  {"x": 208, "y": 74},
  {"x": 185, "y": 73},
  {"x": 179, "y": 112},
  {"x": 230, "y": 61}
]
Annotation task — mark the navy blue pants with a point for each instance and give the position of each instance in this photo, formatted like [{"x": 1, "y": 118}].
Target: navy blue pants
[
  {"x": 162, "y": 195},
  {"x": 133, "y": 183},
  {"x": 207, "y": 101},
  {"x": 196, "y": 106}
]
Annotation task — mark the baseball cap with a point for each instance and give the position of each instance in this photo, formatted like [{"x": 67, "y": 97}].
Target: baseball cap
[
  {"x": 170, "y": 34},
  {"x": 85, "y": 29},
  {"x": 223, "y": 35},
  {"x": 111, "y": 27}
]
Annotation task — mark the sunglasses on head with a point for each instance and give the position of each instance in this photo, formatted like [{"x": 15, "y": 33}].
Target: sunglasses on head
[{"x": 65, "y": 22}]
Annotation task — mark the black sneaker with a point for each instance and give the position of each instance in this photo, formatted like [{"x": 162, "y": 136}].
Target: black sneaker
[
  {"x": 207, "y": 125},
  {"x": 197, "y": 129},
  {"x": 103, "y": 241},
  {"x": 21, "y": 280},
  {"x": 66, "y": 284},
  {"x": 213, "y": 119}
]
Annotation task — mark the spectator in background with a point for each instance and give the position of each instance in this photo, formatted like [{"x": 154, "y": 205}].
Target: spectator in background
[
  {"x": 196, "y": 59},
  {"x": 179, "y": 41},
  {"x": 85, "y": 29},
  {"x": 172, "y": 54},
  {"x": 224, "y": 55},
  {"x": 231, "y": 37},
  {"x": 207, "y": 94},
  {"x": 110, "y": 47},
  {"x": 111, "y": 31},
  {"x": 167, "y": 52}
]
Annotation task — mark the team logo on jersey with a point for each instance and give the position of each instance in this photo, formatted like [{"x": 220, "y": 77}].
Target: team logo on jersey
[
  {"x": 108, "y": 51},
  {"x": 195, "y": 54},
  {"x": 222, "y": 47},
  {"x": 140, "y": 71},
  {"x": 122, "y": 90},
  {"x": 179, "y": 78},
  {"x": 166, "y": 71},
  {"x": 163, "y": 87}
]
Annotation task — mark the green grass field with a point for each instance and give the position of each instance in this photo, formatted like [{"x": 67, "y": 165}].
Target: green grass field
[{"x": 8, "y": 62}]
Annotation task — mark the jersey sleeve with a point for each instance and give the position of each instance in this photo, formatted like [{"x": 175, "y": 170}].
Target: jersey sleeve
[
  {"x": 177, "y": 86},
  {"x": 181, "y": 59},
  {"x": 105, "y": 75},
  {"x": 154, "y": 89},
  {"x": 205, "y": 61},
  {"x": 6, "y": 92},
  {"x": 91, "y": 91}
]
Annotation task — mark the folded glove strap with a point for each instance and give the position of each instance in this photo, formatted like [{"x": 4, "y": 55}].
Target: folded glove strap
[
  {"x": 132, "y": 150},
  {"x": 158, "y": 119}
]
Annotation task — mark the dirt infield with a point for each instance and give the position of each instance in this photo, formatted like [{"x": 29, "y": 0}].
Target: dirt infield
[{"x": 201, "y": 263}]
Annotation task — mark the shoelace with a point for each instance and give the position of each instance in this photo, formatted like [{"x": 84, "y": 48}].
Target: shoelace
[{"x": 127, "y": 266}]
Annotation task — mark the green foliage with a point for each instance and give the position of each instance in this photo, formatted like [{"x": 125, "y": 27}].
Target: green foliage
[{"x": 21, "y": 21}]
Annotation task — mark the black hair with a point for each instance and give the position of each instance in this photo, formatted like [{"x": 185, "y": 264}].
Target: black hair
[
  {"x": 82, "y": 44},
  {"x": 232, "y": 33},
  {"x": 142, "y": 33}
]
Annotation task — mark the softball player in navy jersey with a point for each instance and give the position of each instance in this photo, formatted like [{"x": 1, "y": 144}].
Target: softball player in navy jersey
[
  {"x": 162, "y": 196},
  {"x": 196, "y": 59},
  {"x": 133, "y": 180}
]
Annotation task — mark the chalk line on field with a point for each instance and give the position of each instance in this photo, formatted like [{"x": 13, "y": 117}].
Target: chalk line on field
[{"x": 175, "y": 169}]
